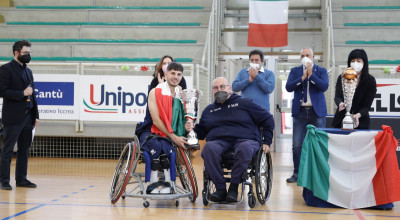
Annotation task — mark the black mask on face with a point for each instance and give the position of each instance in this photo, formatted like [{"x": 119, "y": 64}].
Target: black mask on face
[
  {"x": 24, "y": 58},
  {"x": 221, "y": 96}
]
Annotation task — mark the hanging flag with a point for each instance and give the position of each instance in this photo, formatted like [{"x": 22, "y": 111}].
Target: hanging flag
[
  {"x": 354, "y": 171},
  {"x": 268, "y": 23}
]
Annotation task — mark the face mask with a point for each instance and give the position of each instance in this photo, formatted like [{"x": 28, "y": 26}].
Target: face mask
[
  {"x": 221, "y": 96},
  {"x": 164, "y": 68},
  {"x": 255, "y": 66},
  {"x": 357, "y": 66},
  {"x": 305, "y": 60},
  {"x": 24, "y": 58}
]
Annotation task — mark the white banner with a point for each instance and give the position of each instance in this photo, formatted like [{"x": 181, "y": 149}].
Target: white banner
[
  {"x": 387, "y": 99},
  {"x": 113, "y": 98},
  {"x": 57, "y": 96}
]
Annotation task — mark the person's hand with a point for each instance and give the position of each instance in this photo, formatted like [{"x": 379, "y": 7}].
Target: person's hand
[
  {"x": 356, "y": 117},
  {"x": 253, "y": 73},
  {"x": 28, "y": 91},
  {"x": 342, "y": 106},
  {"x": 309, "y": 69},
  {"x": 189, "y": 125},
  {"x": 265, "y": 148},
  {"x": 36, "y": 123},
  {"x": 160, "y": 79},
  {"x": 251, "y": 79},
  {"x": 180, "y": 141}
]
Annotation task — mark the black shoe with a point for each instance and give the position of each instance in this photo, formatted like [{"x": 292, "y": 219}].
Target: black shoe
[
  {"x": 26, "y": 183},
  {"x": 218, "y": 196},
  {"x": 6, "y": 186},
  {"x": 151, "y": 187},
  {"x": 232, "y": 193},
  {"x": 292, "y": 179}
]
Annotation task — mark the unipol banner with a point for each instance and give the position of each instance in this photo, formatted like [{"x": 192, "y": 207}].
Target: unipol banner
[
  {"x": 57, "y": 96},
  {"x": 113, "y": 98},
  {"x": 387, "y": 98}
]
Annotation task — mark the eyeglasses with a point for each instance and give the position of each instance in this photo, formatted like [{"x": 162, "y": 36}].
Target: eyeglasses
[{"x": 221, "y": 87}]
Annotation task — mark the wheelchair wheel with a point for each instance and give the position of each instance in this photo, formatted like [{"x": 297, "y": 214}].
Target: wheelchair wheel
[
  {"x": 186, "y": 173},
  {"x": 263, "y": 176},
  {"x": 122, "y": 173}
]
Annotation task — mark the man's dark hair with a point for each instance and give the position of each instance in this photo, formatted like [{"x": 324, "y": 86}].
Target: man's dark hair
[
  {"x": 259, "y": 52},
  {"x": 20, "y": 44},
  {"x": 175, "y": 66}
]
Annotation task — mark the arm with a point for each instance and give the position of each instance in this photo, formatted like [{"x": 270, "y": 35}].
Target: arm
[
  {"x": 267, "y": 84},
  {"x": 321, "y": 81},
  {"x": 240, "y": 82},
  {"x": 293, "y": 82},
  {"x": 179, "y": 141},
  {"x": 5, "y": 92},
  {"x": 339, "y": 91},
  {"x": 369, "y": 97}
]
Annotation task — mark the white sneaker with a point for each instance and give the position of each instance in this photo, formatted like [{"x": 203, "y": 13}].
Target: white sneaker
[{"x": 166, "y": 188}]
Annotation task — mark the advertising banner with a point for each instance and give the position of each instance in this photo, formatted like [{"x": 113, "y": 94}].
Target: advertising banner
[
  {"x": 56, "y": 96},
  {"x": 387, "y": 98},
  {"x": 113, "y": 98}
]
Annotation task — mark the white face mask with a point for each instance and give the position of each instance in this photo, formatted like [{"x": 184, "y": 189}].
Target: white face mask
[
  {"x": 357, "y": 66},
  {"x": 305, "y": 60},
  {"x": 255, "y": 66}
]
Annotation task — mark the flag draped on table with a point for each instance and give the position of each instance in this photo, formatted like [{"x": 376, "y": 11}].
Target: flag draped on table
[
  {"x": 354, "y": 171},
  {"x": 171, "y": 111},
  {"x": 268, "y": 23}
]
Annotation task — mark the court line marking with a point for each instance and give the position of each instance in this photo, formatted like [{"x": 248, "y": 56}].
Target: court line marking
[
  {"x": 193, "y": 208},
  {"x": 38, "y": 205},
  {"x": 359, "y": 214}
]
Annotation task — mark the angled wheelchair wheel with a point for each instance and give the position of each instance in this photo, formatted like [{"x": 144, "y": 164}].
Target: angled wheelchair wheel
[
  {"x": 186, "y": 173},
  {"x": 263, "y": 176},
  {"x": 123, "y": 170}
]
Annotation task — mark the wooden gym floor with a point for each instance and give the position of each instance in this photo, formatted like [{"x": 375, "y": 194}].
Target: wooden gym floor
[{"x": 78, "y": 189}]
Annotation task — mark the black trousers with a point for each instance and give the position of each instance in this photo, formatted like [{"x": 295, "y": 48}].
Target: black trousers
[{"x": 21, "y": 134}]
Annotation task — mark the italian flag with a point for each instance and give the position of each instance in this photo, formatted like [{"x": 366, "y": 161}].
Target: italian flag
[
  {"x": 268, "y": 23},
  {"x": 170, "y": 110},
  {"x": 353, "y": 171}
]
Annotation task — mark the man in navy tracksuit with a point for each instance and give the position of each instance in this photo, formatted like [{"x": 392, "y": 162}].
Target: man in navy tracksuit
[{"x": 231, "y": 122}]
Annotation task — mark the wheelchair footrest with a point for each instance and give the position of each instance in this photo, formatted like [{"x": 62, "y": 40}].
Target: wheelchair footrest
[{"x": 154, "y": 188}]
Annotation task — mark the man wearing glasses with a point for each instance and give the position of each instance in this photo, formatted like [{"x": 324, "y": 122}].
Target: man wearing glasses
[
  {"x": 231, "y": 123},
  {"x": 20, "y": 114}
]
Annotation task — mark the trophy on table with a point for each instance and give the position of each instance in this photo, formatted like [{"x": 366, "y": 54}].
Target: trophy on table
[
  {"x": 190, "y": 99},
  {"x": 349, "y": 84}
]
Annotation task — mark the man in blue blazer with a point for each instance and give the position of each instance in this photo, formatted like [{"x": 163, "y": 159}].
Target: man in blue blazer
[{"x": 309, "y": 82}]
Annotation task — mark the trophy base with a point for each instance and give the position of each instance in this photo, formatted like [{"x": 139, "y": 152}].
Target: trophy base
[
  {"x": 193, "y": 146},
  {"x": 349, "y": 126}
]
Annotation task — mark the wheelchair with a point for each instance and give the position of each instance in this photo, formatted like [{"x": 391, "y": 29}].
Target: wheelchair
[
  {"x": 259, "y": 170},
  {"x": 127, "y": 182}
]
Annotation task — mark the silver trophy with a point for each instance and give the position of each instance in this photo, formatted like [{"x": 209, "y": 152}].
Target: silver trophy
[
  {"x": 190, "y": 99},
  {"x": 349, "y": 85}
]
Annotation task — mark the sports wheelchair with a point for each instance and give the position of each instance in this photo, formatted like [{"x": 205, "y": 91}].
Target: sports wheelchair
[
  {"x": 259, "y": 170},
  {"x": 127, "y": 182}
]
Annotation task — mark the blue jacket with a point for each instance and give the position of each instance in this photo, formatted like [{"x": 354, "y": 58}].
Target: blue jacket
[
  {"x": 236, "y": 118},
  {"x": 319, "y": 83},
  {"x": 259, "y": 89}
]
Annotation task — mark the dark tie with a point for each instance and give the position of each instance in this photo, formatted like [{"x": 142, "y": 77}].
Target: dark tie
[{"x": 305, "y": 89}]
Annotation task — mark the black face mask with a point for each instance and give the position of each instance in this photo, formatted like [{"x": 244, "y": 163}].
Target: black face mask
[
  {"x": 24, "y": 58},
  {"x": 221, "y": 96}
]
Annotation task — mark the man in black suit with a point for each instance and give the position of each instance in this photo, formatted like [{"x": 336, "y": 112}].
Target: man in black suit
[{"x": 20, "y": 114}]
